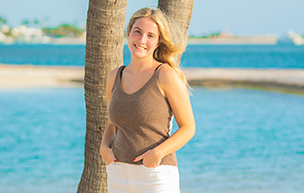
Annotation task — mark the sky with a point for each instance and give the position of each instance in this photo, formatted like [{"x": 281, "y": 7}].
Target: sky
[{"x": 240, "y": 17}]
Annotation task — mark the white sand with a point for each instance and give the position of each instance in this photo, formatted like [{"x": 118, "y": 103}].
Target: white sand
[
  {"x": 27, "y": 76},
  {"x": 284, "y": 77}
]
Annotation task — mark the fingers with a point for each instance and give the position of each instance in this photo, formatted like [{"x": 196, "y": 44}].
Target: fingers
[
  {"x": 107, "y": 155},
  {"x": 114, "y": 159},
  {"x": 110, "y": 160},
  {"x": 112, "y": 156},
  {"x": 108, "y": 163},
  {"x": 149, "y": 159},
  {"x": 138, "y": 158}
]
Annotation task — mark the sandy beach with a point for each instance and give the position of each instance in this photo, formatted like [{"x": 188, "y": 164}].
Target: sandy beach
[
  {"x": 283, "y": 80},
  {"x": 29, "y": 76}
]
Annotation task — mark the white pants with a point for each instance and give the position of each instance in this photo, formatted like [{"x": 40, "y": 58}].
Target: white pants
[{"x": 129, "y": 178}]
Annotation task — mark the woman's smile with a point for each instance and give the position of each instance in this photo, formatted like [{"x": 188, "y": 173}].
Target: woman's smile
[
  {"x": 140, "y": 47},
  {"x": 143, "y": 38}
]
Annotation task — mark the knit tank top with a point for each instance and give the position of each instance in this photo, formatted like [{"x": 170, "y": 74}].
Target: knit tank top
[{"x": 142, "y": 120}]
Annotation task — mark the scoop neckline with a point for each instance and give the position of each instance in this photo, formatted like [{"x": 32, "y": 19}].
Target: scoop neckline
[{"x": 120, "y": 82}]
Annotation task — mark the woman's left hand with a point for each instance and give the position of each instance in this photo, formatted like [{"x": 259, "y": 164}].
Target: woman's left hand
[{"x": 150, "y": 159}]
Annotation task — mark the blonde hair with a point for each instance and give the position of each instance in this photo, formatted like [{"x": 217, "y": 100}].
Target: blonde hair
[{"x": 171, "y": 43}]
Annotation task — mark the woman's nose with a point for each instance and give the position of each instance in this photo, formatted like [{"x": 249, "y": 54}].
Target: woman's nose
[{"x": 142, "y": 38}]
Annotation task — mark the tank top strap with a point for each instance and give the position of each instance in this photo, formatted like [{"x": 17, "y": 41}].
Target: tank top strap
[
  {"x": 118, "y": 78},
  {"x": 117, "y": 82},
  {"x": 157, "y": 69}
]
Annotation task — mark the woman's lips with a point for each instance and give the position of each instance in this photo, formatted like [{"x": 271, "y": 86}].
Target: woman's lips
[{"x": 139, "y": 47}]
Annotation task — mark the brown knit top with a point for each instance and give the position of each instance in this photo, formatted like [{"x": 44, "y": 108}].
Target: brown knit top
[{"x": 142, "y": 120}]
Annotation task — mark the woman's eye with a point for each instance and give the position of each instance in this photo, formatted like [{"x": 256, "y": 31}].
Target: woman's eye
[
  {"x": 151, "y": 36},
  {"x": 137, "y": 31}
]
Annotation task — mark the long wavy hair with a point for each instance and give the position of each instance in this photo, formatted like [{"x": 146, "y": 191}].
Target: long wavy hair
[{"x": 172, "y": 44}]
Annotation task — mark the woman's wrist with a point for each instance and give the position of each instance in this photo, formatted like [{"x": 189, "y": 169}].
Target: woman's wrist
[
  {"x": 104, "y": 146},
  {"x": 158, "y": 152}
]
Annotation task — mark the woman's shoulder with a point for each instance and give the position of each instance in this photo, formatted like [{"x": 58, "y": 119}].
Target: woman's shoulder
[
  {"x": 112, "y": 76},
  {"x": 170, "y": 81},
  {"x": 167, "y": 75}
]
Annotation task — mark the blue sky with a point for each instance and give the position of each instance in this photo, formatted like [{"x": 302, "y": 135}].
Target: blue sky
[{"x": 241, "y": 17}]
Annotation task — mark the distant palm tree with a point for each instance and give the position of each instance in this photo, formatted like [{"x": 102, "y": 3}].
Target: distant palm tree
[
  {"x": 104, "y": 44},
  {"x": 104, "y": 52}
]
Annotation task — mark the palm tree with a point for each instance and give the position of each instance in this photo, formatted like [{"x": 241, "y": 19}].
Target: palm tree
[
  {"x": 104, "y": 46},
  {"x": 180, "y": 11}
]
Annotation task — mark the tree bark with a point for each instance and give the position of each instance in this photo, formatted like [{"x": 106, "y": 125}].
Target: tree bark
[
  {"x": 104, "y": 52},
  {"x": 180, "y": 11}
]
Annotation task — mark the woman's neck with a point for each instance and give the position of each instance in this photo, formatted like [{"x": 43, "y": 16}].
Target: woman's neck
[{"x": 138, "y": 65}]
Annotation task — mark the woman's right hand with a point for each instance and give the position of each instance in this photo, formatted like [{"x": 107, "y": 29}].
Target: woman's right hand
[{"x": 107, "y": 155}]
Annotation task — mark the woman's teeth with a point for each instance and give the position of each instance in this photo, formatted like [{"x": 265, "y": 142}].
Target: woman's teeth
[{"x": 139, "y": 47}]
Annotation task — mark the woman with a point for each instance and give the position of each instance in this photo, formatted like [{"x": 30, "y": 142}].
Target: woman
[{"x": 142, "y": 99}]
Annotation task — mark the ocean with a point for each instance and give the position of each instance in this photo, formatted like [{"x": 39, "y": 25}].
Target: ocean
[
  {"x": 246, "y": 140},
  {"x": 283, "y": 55}
]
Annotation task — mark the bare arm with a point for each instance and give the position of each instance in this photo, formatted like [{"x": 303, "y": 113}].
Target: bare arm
[
  {"x": 109, "y": 133},
  {"x": 176, "y": 92}
]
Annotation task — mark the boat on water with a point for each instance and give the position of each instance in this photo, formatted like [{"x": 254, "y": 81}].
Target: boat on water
[{"x": 295, "y": 38}]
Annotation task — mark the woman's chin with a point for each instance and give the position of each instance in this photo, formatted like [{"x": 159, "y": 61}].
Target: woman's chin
[{"x": 140, "y": 54}]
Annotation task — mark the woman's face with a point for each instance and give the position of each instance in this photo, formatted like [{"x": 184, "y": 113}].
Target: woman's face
[{"x": 143, "y": 38}]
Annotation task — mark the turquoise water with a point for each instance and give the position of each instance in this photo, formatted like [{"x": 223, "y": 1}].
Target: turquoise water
[
  {"x": 41, "y": 140},
  {"x": 246, "y": 141},
  {"x": 208, "y": 56}
]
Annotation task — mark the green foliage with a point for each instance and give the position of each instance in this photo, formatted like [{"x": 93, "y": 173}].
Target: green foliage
[
  {"x": 36, "y": 21},
  {"x": 31, "y": 23},
  {"x": 2, "y": 21},
  {"x": 63, "y": 31},
  {"x": 215, "y": 34},
  {"x": 25, "y": 22},
  {"x": 212, "y": 35},
  {"x": 198, "y": 37}
]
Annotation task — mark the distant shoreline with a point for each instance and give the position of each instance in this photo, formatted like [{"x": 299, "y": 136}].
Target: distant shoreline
[
  {"x": 281, "y": 80},
  {"x": 254, "y": 40}
]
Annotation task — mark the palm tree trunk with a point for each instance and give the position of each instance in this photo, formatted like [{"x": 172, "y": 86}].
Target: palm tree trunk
[
  {"x": 179, "y": 11},
  {"x": 104, "y": 46}
]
